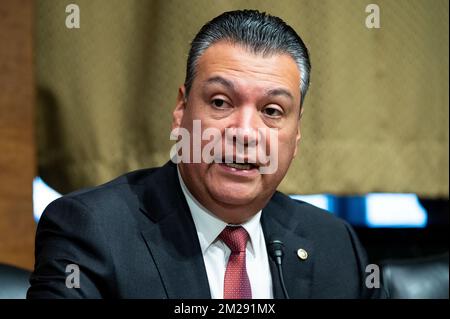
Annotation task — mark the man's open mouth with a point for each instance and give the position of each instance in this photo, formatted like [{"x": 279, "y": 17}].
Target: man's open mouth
[{"x": 241, "y": 166}]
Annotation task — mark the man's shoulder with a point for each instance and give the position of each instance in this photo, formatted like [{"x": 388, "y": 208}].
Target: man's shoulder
[
  {"x": 308, "y": 215},
  {"x": 109, "y": 200},
  {"x": 121, "y": 188}
]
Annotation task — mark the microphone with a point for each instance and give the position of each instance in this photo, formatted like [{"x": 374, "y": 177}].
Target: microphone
[{"x": 276, "y": 253}]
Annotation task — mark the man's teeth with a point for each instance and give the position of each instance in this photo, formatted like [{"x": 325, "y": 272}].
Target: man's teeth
[{"x": 240, "y": 166}]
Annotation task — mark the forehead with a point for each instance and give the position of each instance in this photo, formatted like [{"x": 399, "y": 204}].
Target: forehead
[{"x": 248, "y": 69}]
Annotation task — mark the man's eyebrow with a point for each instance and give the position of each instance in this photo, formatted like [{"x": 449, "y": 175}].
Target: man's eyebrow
[
  {"x": 227, "y": 83},
  {"x": 276, "y": 92},
  {"x": 220, "y": 80}
]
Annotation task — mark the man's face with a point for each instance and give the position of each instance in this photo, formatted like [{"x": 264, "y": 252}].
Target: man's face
[{"x": 234, "y": 88}]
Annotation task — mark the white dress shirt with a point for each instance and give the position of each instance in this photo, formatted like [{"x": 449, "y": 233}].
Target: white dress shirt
[{"x": 216, "y": 253}]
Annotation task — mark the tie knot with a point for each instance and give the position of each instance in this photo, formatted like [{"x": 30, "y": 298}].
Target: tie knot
[{"x": 235, "y": 238}]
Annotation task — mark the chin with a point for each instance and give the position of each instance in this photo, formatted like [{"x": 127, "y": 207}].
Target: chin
[{"x": 234, "y": 196}]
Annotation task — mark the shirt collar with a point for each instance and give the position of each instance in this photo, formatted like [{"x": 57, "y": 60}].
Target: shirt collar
[{"x": 209, "y": 226}]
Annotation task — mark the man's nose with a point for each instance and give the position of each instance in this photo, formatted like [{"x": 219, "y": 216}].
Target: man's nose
[{"x": 244, "y": 126}]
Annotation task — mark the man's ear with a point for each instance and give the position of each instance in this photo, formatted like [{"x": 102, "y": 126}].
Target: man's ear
[
  {"x": 178, "y": 112},
  {"x": 298, "y": 137}
]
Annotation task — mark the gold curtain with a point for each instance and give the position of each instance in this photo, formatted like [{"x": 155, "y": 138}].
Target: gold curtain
[{"x": 376, "y": 116}]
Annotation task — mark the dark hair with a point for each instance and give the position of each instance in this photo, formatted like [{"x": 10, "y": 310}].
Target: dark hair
[{"x": 256, "y": 31}]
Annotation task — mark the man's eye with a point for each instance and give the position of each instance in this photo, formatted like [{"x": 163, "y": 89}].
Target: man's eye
[
  {"x": 218, "y": 103},
  {"x": 272, "y": 112}
]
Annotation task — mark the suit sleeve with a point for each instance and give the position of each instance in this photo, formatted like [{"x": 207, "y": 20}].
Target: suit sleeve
[
  {"x": 362, "y": 260},
  {"x": 72, "y": 258}
]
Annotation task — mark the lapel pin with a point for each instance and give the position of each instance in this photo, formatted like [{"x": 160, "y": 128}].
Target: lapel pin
[{"x": 302, "y": 254}]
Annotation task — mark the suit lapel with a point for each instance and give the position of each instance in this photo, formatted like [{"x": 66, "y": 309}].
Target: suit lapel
[
  {"x": 171, "y": 237},
  {"x": 278, "y": 223}
]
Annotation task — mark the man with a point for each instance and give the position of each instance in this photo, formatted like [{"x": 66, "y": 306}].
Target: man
[{"x": 210, "y": 228}]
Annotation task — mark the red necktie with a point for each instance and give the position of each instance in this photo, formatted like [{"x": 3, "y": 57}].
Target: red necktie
[{"x": 236, "y": 283}]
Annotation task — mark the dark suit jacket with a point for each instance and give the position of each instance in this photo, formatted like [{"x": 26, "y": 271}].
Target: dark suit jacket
[{"x": 134, "y": 237}]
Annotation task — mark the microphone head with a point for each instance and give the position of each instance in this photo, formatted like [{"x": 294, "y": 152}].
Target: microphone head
[{"x": 276, "y": 248}]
